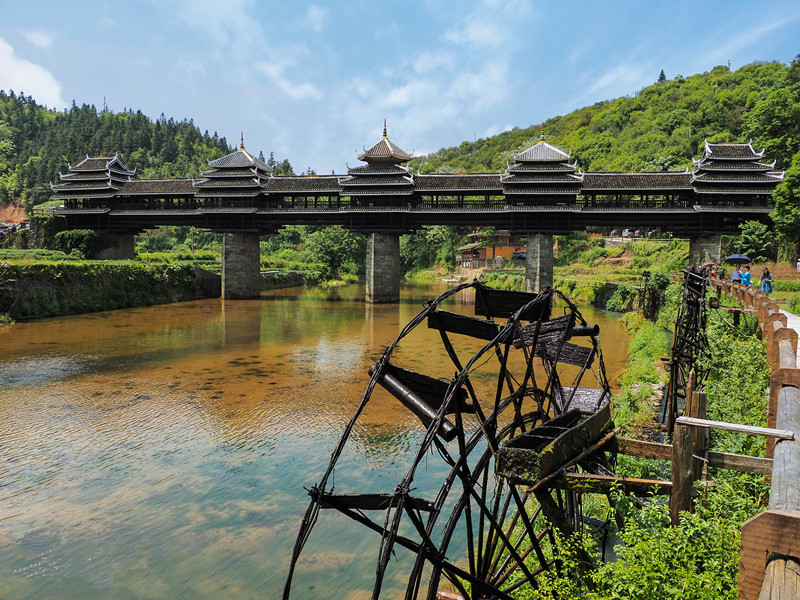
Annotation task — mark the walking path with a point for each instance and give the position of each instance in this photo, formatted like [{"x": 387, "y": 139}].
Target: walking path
[{"x": 793, "y": 321}]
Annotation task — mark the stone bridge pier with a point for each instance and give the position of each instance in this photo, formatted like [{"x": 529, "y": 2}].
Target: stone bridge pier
[
  {"x": 116, "y": 246},
  {"x": 704, "y": 248},
  {"x": 539, "y": 262},
  {"x": 241, "y": 266},
  {"x": 383, "y": 267}
]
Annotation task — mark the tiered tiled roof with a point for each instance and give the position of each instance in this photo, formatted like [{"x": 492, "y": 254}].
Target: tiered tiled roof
[
  {"x": 459, "y": 184},
  {"x": 608, "y": 182},
  {"x": 237, "y": 175},
  {"x": 158, "y": 187},
  {"x": 734, "y": 169},
  {"x": 93, "y": 177},
  {"x": 542, "y": 170},
  {"x": 382, "y": 175},
  {"x": 325, "y": 184}
]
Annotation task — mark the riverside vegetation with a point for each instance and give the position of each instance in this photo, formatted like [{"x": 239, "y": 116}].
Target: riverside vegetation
[{"x": 699, "y": 558}]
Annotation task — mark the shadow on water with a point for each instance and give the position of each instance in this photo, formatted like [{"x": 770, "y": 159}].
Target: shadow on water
[{"x": 162, "y": 451}]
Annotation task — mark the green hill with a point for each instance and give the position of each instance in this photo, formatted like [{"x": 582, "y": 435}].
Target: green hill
[
  {"x": 36, "y": 144},
  {"x": 659, "y": 129}
]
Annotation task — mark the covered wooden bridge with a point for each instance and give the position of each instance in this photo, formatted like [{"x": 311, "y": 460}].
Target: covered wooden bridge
[{"x": 540, "y": 195}]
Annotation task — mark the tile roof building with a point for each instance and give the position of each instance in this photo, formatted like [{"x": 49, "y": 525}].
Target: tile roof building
[{"x": 383, "y": 175}]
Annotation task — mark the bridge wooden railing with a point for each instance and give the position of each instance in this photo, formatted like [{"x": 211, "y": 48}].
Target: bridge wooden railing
[
  {"x": 770, "y": 556},
  {"x": 425, "y": 202}
]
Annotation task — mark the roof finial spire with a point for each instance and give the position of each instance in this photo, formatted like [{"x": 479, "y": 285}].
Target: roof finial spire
[
  {"x": 384, "y": 128},
  {"x": 241, "y": 146},
  {"x": 541, "y": 135}
]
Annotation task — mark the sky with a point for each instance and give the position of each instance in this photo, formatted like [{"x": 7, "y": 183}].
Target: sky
[{"x": 312, "y": 82}]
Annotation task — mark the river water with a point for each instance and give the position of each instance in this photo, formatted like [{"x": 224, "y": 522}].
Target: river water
[{"x": 161, "y": 452}]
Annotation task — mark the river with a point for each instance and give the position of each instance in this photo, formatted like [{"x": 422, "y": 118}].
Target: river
[{"x": 161, "y": 452}]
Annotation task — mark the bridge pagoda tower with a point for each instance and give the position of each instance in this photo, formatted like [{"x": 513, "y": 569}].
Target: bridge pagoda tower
[
  {"x": 732, "y": 172},
  {"x": 93, "y": 181},
  {"x": 381, "y": 182},
  {"x": 234, "y": 182},
  {"x": 541, "y": 175}
]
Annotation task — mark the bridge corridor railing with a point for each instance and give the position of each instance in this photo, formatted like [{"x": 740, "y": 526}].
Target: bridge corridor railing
[{"x": 423, "y": 204}]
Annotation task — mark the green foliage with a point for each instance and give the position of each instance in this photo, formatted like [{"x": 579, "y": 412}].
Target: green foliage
[
  {"x": 786, "y": 215},
  {"x": 697, "y": 559},
  {"x": 571, "y": 246},
  {"x": 737, "y": 387},
  {"x": 338, "y": 250},
  {"x": 80, "y": 243},
  {"x": 755, "y": 241},
  {"x": 506, "y": 280},
  {"x": 623, "y": 299},
  {"x": 431, "y": 245}
]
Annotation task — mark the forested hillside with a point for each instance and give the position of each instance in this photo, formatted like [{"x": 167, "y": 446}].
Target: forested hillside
[
  {"x": 661, "y": 128},
  {"x": 36, "y": 144}
]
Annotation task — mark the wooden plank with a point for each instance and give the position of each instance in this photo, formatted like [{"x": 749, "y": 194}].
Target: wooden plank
[
  {"x": 780, "y": 434},
  {"x": 644, "y": 449},
  {"x": 719, "y": 460},
  {"x": 502, "y": 303},
  {"x": 463, "y": 324},
  {"x": 739, "y": 462},
  {"x": 785, "y": 492},
  {"x": 372, "y": 502},
  {"x": 781, "y": 580},
  {"x": 600, "y": 484},
  {"x": 772, "y": 531},
  {"x": 683, "y": 475}
]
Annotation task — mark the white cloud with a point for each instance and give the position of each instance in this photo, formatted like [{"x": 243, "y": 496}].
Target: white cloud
[
  {"x": 296, "y": 91},
  {"x": 491, "y": 24},
  {"x": 34, "y": 80},
  {"x": 429, "y": 60},
  {"x": 317, "y": 17},
  {"x": 42, "y": 39},
  {"x": 478, "y": 33},
  {"x": 229, "y": 23}
]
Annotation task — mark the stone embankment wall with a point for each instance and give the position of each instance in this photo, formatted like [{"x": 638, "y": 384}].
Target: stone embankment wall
[
  {"x": 50, "y": 289},
  {"x": 36, "y": 290},
  {"x": 276, "y": 280}
]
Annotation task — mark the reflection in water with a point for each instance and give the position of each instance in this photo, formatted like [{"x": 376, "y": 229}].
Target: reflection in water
[{"x": 161, "y": 452}]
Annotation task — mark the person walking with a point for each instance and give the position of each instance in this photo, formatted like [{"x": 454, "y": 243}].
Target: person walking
[
  {"x": 745, "y": 275},
  {"x": 736, "y": 276},
  {"x": 765, "y": 283}
]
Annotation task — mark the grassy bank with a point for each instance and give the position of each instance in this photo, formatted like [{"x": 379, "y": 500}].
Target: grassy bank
[{"x": 46, "y": 287}]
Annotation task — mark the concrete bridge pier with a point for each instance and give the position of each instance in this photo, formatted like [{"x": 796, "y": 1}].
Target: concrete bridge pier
[
  {"x": 539, "y": 262},
  {"x": 116, "y": 246},
  {"x": 241, "y": 266},
  {"x": 383, "y": 268},
  {"x": 704, "y": 248}
]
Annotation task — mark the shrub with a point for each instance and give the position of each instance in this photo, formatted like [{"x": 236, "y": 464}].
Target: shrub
[{"x": 623, "y": 299}]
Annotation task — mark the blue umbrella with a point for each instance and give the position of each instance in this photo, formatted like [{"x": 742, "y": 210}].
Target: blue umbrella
[{"x": 737, "y": 259}]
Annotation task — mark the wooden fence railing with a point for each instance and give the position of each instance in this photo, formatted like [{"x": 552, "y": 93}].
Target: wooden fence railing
[{"x": 770, "y": 556}]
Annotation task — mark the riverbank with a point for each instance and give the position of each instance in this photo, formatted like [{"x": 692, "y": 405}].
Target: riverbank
[{"x": 49, "y": 284}]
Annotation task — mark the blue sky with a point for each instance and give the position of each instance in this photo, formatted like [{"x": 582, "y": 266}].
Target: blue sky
[{"x": 313, "y": 81}]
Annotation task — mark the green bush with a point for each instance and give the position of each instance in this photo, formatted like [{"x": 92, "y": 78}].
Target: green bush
[
  {"x": 623, "y": 299},
  {"x": 784, "y": 285},
  {"x": 78, "y": 243}
]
